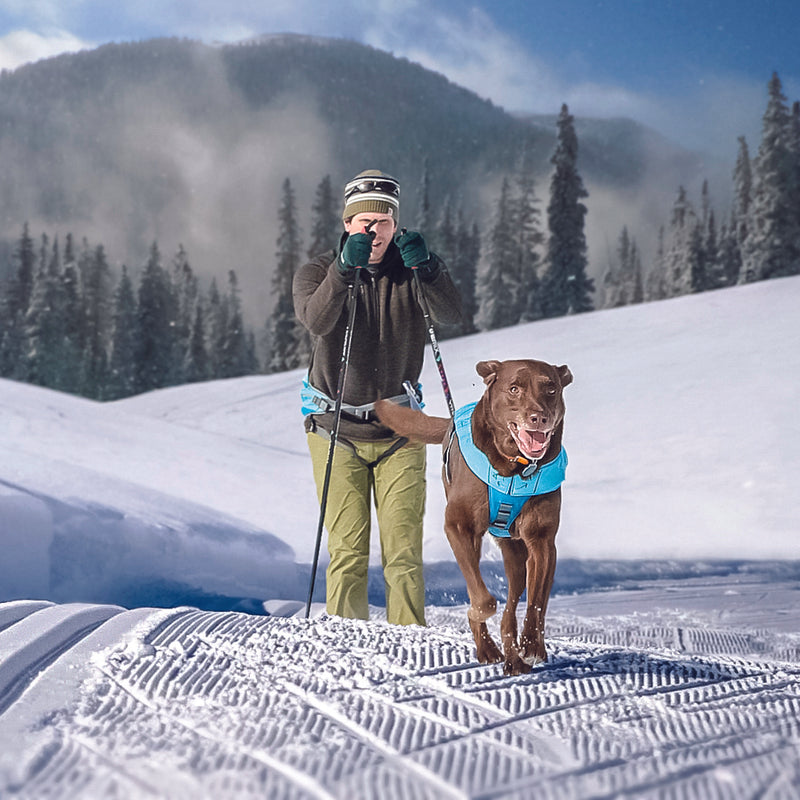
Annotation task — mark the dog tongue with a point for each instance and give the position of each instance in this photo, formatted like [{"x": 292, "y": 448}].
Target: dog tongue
[{"x": 532, "y": 441}]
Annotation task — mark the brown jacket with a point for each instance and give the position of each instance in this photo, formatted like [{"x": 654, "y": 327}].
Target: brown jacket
[{"x": 389, "y": 333}]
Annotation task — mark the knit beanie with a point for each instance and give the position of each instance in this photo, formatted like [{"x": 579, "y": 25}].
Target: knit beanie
[{"x": 371, "y": 190}]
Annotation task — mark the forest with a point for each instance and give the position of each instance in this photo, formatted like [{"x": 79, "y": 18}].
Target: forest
[{"x": 70, "y": 322}]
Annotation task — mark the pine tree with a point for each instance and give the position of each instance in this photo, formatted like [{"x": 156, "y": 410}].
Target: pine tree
[
  {"x": 196, "y": 365},
  {"x": 771, "y": 247},
  {"x": 530, "y": 240},
  {"x": 679, "y": 260},
  {"x": 623, "y": 284},
  {"x": 185, "y": 288},
  {"x": 424, "y": 220},
  {"x": 742, "y": 191},
  {"x": 326, "y": 225},
  {"x": 18, "y": 296},
  {"x": 565, "y": 286},
  {"x": 794, "y": 156},
  {"x": 216, "y": 328},
  {"x": 97, "y": 313},
  {"x": 234, "y": 361},
  {"x": 496, "y": 276},
  {"x": 22, "y": 285},
  {"x": 656, "y": 283},
  {"x": 122, "y": 361},
  {"x": 45, "y": 322},
  {"x": 729, "y": 254},
  {"x": 715, "y": 272},
  {"x": 288, "y": 340},
  {"x": 74, "y": 316},
  {"x": 462, "y": 270},
  {"x": 153, "y": 358}
]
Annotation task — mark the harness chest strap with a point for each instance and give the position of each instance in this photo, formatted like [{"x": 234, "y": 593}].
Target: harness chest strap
[{"x": 507, "y": 496}]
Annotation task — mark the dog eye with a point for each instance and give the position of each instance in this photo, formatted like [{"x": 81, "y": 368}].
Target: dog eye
[
  {"x": 551, "y": 388},
  {"x": 513, "y": 389}
]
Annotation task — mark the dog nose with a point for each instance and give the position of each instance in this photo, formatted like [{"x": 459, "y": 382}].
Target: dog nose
[{"x": 539, "y": 419}]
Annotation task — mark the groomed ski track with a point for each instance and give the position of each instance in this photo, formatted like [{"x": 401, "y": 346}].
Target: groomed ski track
[{"x": 100, "y": 702}]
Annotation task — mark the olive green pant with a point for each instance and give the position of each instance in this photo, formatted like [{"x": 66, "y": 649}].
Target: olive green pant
[{"x": 396, "y": 484}]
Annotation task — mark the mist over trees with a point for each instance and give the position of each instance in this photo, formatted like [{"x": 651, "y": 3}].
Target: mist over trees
[
  {"x": 72, "y": 320},
  {"x": 758, "y": 238}
]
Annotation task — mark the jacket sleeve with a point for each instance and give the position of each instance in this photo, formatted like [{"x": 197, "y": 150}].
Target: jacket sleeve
[
  {"x": 319, "y": 294},
  {"x": 444, "y": 299}
]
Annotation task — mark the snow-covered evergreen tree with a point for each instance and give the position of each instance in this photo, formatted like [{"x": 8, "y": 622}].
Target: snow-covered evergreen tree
[
  {"x": 186, "y": 292},
  {"x": 655, "y": 287},
  {"x": 424, "y": 222},
  {"x": 196, "y": 366},
  {"x": 235, "y": 359},
  {"x": 463, "y": 270},
  {"x": 622, "y": 283},
  {"x": 326, "y": 223},
  {"x": 742, "y": 193},
  {"x": 530, "y": 240},
  {"x": 773, "y": 228},
  {"x": 154, "y": 355},
  {"x": 496, "y": 273},
  {"x": 122, "y": 361},
  {"x": 97, "y": 309},
  {"x": 682, "y": 248},
  {"x": 45, "y": 322},
  {"x": 565, "y": 286},
  {"x": 21, "y": 287},
  {"x": 75, "y": 327},
  {"x": 216, "y": 326},
  {"x": 288, "y": 342}
]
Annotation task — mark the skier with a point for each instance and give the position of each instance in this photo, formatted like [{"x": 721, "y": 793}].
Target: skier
[{"x": 388, "y": 342}]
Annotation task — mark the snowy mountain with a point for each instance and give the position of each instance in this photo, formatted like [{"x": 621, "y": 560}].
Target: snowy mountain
[
  {"x": 195, "y": 141},
  {"x": 683, "y": 440}
]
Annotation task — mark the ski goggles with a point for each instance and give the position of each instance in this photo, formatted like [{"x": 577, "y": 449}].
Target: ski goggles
[{"x": 368, "y": 185}]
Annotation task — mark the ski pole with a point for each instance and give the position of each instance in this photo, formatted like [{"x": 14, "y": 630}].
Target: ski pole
[
  {"x": 437, "y": 354},
  {"x": 337, "y": 416}
]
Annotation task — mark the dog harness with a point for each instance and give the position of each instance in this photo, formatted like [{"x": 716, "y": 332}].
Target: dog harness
[{"x": 506, "y": 495}]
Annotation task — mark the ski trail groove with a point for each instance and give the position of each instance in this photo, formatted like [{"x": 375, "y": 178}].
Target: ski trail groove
[{"x": 192, "y": 705}]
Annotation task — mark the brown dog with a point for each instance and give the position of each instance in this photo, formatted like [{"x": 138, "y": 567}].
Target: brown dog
[{"x": 518, "y": 425}]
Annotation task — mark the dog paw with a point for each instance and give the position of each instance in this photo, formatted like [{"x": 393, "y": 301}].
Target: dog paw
[
  {"x": 488, "y": 651},
  {"x": 516, "y": 666},
  {"x": 533, "y": 652}
]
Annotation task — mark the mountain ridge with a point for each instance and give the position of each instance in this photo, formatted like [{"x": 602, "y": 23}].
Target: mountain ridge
[{"x": 183, "y": 142}]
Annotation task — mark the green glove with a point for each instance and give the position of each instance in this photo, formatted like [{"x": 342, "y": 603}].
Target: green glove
[
  {"x": 415, "y": 254},
  {"x": 356, "y": 251}
]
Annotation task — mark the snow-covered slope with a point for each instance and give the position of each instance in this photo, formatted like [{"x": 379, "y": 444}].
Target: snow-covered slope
[
  {"x": 682, "y": 431},
  {"x": 683, "y": 439}
]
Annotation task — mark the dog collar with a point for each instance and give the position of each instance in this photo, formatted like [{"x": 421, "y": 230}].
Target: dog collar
[
  {"x": 529, "y": 467},
  {"x": 507, "y": 495}
]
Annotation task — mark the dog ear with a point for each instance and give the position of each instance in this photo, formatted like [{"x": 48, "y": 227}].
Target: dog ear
[
  {"x": 488, "y": 371},
  {"x": 565, "y": 375}
]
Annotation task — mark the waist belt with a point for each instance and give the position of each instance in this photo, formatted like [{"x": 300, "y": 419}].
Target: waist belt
[{"x": 317, "y": 402}]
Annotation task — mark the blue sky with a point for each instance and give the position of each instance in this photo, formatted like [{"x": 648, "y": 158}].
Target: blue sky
[{"x": 694, "y": 69}]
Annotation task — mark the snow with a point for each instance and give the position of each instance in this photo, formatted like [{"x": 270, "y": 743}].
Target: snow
[{"x": 134, "y": 533}]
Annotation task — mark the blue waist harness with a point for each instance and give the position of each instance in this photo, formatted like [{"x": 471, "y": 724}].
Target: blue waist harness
[{"x": 506, "y": 495}]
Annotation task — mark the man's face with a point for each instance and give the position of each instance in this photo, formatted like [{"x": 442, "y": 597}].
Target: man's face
[{"x": 383, "y": 229}]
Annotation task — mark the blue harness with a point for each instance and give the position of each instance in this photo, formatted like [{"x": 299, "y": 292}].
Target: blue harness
[{"x": 506, "y": 495}]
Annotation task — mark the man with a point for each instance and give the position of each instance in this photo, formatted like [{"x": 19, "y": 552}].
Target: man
[{"x": 388, "y": 349}]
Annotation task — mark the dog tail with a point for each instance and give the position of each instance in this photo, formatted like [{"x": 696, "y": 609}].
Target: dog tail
[{"x": 413, "y": 424}]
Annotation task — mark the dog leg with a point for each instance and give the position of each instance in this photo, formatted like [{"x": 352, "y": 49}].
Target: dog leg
[
  {"x": 466, "y": 548},
  {"x": 541, "y": 567},
  {"x": 514, "y": 558}
]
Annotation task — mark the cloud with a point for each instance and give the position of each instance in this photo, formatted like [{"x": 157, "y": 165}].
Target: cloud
[{"x": 24, "y": 46}]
